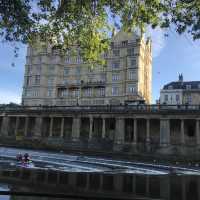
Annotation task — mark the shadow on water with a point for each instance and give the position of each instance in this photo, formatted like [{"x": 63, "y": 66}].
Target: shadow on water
[{"x": 29, "y": 184}]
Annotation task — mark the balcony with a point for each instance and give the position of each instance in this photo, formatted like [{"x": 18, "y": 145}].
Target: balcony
[
  {"x": 93, "y": 84},
  {"x": 68, "y": 85}
]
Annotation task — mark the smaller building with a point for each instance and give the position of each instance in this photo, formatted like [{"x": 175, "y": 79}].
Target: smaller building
[{"x": 181, "y": 92}]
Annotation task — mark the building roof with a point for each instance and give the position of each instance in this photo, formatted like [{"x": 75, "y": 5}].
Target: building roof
[{"x": 182, "y": 85}]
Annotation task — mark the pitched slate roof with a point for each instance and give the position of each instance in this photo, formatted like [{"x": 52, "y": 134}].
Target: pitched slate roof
[{"x": 182, "y": 85}]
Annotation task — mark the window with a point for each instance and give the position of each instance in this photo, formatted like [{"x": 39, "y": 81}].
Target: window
[
  {"x": 78, "y": 70},
  {"x": 76, "y": 93},
  {"x": 68, "y": 60},
  {"x": 115, "y": 77},
  {"x": 88, "y": 92},
  {"x": 28, "y": 80},
  {"x": 130, "y": 52},
  {"x": 188, "y": 87},
  {"x": 90, "y": 69},
  {"x": 37, "y": 79},
  {"x": 131, "y": 89},
  {"x": 105, "y": 55},
  {"x": 198, "y": 86},
  {"x": 24, "y": 92},
  {"x": 102, "y": 92},
  {"x": 36, "y": 60},
  {"x": 131, "y": 75},
  {"x": 166, "y": 98},
  {"x": 103, "y": 77},
  {"x": 116, "y": 65},
  {"x": 65, "y": 93},
  {"x": 78, "y": 81},
  {"x": 38, "y": 69},
  {"x": 189, "y": 99},
  {"x": 125, "y": 43},
  {"x": 177, "y": 98},
  {"x": 133, "y": 62},
  {"x": 78, "y": 59},
  {"x": 28, "y": 93},
  {"x": 49, "y": 92},
  {"x": 29, "y": 70},
  {"x": 55, "y": 51},
  {"x": 116, "y": 52},
  {"x": 51, "y": 69},
  {"x": 50, "y": 81},
  {"x": 55, "y": 59},
  {"x": 170, "y": 87},
  {"x": 35, "y": 93},
  {"x": 115, "y": 91},
  {"x": 65, "y": 81},
  {"x": 66, "y": 71}
]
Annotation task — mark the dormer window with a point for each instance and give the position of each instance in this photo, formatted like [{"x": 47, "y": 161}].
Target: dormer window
[
  {"x": 170, "y": 87},
  {"x": 188, "y": 87}
]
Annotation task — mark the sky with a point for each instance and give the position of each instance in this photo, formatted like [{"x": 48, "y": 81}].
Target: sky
[{"x": 171, "y": 55}]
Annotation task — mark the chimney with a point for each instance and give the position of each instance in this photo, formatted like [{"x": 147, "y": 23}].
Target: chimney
[
  {"x": 180, "y": 78},
  {"x": 113, "y": 32}
]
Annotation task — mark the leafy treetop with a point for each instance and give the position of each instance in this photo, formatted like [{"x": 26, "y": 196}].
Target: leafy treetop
[{"x": 87, "y": 24}]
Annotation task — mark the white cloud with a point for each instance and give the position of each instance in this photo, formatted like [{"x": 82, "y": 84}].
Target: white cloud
[
  {"x": 158, "y": 40},
  {"x": 9, "y": 96}
]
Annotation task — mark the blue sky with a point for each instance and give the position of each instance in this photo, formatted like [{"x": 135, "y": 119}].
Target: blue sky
[{"x": 171, "y": 55}]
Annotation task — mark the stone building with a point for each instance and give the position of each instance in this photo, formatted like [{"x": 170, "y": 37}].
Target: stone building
[
  {"x": 52, "y": 79},
  {"x": 181, "y": 92}
]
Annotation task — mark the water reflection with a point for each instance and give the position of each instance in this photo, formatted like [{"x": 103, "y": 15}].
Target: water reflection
[
  {"x": 4, "y": 187},
  {"x": 169, "y": 187}
]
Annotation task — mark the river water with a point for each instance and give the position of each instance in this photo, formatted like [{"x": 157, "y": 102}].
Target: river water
[{"x": 138, "y": 179}]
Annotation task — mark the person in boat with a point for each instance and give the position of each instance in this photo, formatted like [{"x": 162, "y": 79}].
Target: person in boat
[
  {"x": 26, "y": 158},
  {"x": 19, "y": 157}
]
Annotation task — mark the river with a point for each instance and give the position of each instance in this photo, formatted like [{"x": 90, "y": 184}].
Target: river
[{"x": 135, "y": 179}]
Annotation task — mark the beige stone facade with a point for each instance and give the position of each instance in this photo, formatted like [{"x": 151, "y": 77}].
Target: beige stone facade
[
  {"x": 181, "y": 92},
  {"x": 52, "y": 79}
]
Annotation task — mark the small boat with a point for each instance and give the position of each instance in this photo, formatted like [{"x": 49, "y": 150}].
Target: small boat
[
  {"x": 24, "y": 161},
  {"x": 28, "y": 164}
]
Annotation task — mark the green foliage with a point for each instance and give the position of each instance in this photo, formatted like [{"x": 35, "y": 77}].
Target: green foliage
[{"x": 85, "y": 24}]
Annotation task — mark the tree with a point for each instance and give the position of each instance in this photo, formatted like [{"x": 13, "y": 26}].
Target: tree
[{"x": 87, "y": 24}]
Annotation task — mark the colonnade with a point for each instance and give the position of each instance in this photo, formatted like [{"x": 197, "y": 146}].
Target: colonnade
[{"x": 33, "y": 126}]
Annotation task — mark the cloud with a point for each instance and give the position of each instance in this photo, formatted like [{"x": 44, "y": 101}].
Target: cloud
[
  {"x": 9, "y": 96},
  {"x": 158, "y": 40}
]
